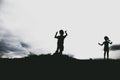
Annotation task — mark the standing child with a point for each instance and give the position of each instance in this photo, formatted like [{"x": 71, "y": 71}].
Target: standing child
[
  {"x": 106, "y": 46},
  {"x": 60, "y": 43}
]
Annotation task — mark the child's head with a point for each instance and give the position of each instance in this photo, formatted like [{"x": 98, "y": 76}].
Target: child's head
[
  {"x": 106, "y": 38},
  {"x": 61, "y": 32}
]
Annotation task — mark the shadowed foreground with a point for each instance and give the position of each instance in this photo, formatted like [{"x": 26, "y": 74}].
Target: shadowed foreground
[
  {"x": 55, "y": 59},
  {"x": 59, "y": 67}
]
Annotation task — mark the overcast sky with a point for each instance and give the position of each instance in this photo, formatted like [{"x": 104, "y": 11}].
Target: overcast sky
[{"x": 87, "y": 22}]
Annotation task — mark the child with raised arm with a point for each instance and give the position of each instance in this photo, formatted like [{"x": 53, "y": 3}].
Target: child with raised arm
[
  {"x": 60, "y": 42},
  {"x": 106, "y": 46}
]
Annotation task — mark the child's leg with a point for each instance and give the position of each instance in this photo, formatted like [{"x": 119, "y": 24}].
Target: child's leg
[
  {"x": 57, "y": 49},
  {"x": 108, "y": 54},
  {"x": 61, "y": 49},
  {"x": 104, "y": 54}
]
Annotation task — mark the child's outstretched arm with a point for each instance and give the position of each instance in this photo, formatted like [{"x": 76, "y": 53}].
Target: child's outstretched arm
[
  {"x": 66, "y": 33},
  {"x": 110, "y": 42},
  {"x": 100, "y": 44},
  {"x": 56, "y": 35}
]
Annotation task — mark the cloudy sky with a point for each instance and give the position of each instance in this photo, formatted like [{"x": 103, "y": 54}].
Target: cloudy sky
[{"x": 87, "y": 22}]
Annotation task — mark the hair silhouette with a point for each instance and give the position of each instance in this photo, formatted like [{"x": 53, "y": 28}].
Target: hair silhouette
[
  {"x": 60, "y": 42},
  {"x": 106, "y": 46}
]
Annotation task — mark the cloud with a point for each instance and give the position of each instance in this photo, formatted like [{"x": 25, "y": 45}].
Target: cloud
[
  {"x": 24, "y": 45},
  {"x": 11, "y": 46},
  {"x": 1, "y": 1},
  {"x": 115, "y": 47}
]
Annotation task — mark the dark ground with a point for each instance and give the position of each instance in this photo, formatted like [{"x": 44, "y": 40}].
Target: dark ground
[{"x": 59, "y": 67}]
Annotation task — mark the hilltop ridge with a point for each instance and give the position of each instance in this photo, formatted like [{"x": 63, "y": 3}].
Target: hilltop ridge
[
  {"x": 55, "y": 59},
  {"x": 58, "y": 67}
]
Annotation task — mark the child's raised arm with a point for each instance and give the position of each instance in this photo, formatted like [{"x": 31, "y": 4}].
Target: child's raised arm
[
  {"x": 56, "y": 35},
  {"x": 66, "y": 33}
]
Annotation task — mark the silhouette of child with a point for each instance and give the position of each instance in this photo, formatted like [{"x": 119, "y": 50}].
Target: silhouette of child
[
  {"x": 106, "y": 46},
  {"x": 60, "y": 43}
]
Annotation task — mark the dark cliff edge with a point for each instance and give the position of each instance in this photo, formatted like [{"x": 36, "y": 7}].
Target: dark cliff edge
[{"x": 60, "y": 66}]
